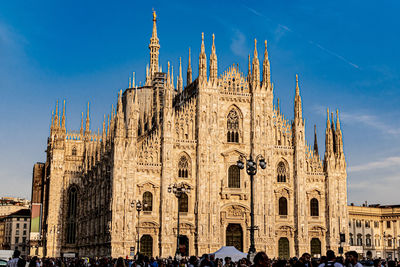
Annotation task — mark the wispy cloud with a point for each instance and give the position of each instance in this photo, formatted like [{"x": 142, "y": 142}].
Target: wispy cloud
[
  {"x": 385, "y": 163},
  {"x": 279, "y": 34},
  {"x": 366, "y": 119},
  {"x": 238, "y": 45}
]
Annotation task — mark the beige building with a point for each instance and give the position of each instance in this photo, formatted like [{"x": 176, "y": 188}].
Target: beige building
[
  {"x": 16, "y": 231},
  {"x": 9, "y": 205},
  {"x": 162, "y": 133},
  {"x": 375, "y": 230}
]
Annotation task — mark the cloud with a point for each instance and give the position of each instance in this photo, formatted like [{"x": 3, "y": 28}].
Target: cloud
[
  {"x": 279, "y": 33},
  {"x": 238, "y": 45},
  {"x": 387, "y": 162}
]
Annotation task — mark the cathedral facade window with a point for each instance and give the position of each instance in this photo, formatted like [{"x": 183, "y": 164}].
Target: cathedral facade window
[
  {"x": 233, "y": 126},
  {"x": 283, "y": 209},
  {"x": 73, "y": 151},
  {"x": 234, "y": 177},
  {"x": 314, "y": 207},
  {"x": 183, "y": 167},
  {"x": 147, "y": 201},
  {"x": 183, "y": 203},
  {"x": 281, "y": 172}
]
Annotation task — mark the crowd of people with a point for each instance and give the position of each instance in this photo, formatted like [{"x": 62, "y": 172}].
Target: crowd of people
[{"x": 261, "y": 259}]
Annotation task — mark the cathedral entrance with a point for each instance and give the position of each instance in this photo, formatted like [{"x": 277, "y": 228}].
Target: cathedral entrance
[
  {"x": 315, "y": 247},
  {"x": 234, "y": 236},
  {"x": 146, "y": 245},
  {"x": 283, "y": 247},
  {"x": 184, "y": 245}
]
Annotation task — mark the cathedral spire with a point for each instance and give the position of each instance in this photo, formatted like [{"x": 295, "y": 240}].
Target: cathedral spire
[
  {"x": 266, "y": 69},
  {"x": 63, "y": 118},
  {"x": 297, "y": 103},
  {"x": 256, "y": 68},
  {"x": 278, "y": 107},
  {"x": 249, "y": 71},
  {"x": 87, "y": 125},
  {"x": 81, "y": 131},
  {"x": 154, "y": 47},
  {"x": 328, "y": 137},
  {"x": 315, "y": 142},
  {"x": 56, "y": 121},
  {"x": 189, "y": 71},
  {"x": 213, "y": 63},
  {"x": 202, "y": 62},
  {"x": 180, "y": 79},
  {"x": 338, "y": 135}
]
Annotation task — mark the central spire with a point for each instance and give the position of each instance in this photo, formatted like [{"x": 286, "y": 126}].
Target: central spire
[{"x": 154, "y": 47}]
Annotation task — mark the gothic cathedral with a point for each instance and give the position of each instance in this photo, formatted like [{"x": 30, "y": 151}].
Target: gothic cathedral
[{"x": 162, "y": 134}]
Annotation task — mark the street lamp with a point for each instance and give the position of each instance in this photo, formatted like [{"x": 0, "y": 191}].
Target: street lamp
[
  {"x": 139, "y": 207},
  {"x": 251, "y": 169},
  {"x": 178, "y": 190}
]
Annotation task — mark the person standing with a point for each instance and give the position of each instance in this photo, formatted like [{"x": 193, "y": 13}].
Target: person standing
[{"x": 15, "y": 259}]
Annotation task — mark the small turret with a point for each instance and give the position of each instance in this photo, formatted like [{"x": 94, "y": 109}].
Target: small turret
[
  {"x": 189, "y": 71},
  {"x": 249, "y": 71},
  {"x": 266, "y": 69},
  {"x": 87, "y": 125},
  {"x": 213, "y": 64},
  {"x": 81, "y": 130},
  {"x": 328, "y": 138},
  {"x": 256, "y": 68},
  {"x": 202, "y": 63},
  {"x": 298, "y": 117},
  {"x": 180, "y": 79},
  {"x": 63, "y": 119},
  {"x": 315, "y": 142}
]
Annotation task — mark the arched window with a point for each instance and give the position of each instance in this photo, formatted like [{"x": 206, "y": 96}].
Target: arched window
[
  {"x": 283, "y": 210},
  {"x": 389, "y": 241},
  {"x": 73, "y": 151},
  {"x": 314, "y": 208},
  {"x": 351, "y": 240},
  {"x": 233, "y": 126},
  {"x": 281, "y": 172},
  {"x": 183, "y": 203},
  {"x": 359, "y": 240},
  {"x": 71, "y": 215},
  {"x": 368, "y": 240},
  {"x": 234, "y": 177},
  {"x": 183, "y": 167},
  {"x": 283, "y": 248},
  {"x": 147, "y": 201}
]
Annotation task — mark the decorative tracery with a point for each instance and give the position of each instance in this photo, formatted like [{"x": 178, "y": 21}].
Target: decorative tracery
[
  {"x": 183, "y": 167},
  {"x": 281, "y": 172},
  {"x": 233, "y": 126}
]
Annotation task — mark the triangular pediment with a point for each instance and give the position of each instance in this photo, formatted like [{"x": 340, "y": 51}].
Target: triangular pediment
[{"x": 233, "y": 81}]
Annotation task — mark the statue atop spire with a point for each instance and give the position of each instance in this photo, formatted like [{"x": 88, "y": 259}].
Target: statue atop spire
[
  {"x": 266, "y": 69},
  {"x": 315, "y": 142},
  {"x": 189, "y": 71},
  {"x": 154, "y": 47},
  {"x": 180, "y": 79},
  {"x": 87, "y": 125},
  {"x": 202, "y": 62},
  {"x": 213, "y": 63}
]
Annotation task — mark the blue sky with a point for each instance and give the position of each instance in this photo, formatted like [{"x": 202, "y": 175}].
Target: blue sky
[{"x": 347, "y": 55}]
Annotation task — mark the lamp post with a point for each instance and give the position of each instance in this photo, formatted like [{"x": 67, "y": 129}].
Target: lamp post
[
  {"x": 139, "y": 207},
  {"x": 251, "y": 169},
  {"x": 178, "y": 190}
]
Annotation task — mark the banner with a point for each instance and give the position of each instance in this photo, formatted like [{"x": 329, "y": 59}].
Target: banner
[{"x": 36, "y": 218}]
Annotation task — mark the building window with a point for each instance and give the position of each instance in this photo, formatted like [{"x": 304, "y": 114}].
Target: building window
[
  {"x": 359, "y": 240},
  {"x": 367, "y": 224},
  {"x": 283, "y": 210},
  {"x": 314, "y": 208},
  {"x": 24, "y": 240},
  {"x": 183, "y": 203},
  {"x": 234, "y": 177},
  {"x": 351, "y": 240},
  {"x": 16, "y": 240},
  {"x": 376, "y": 224},
  {"x": 183, "y": 167},
  {"x": 24, "y": 233},
  {"x": 233, "y": 126},
  {"x": 74, "y": 151},
  {"x": 17, "y": 225},
  {"x": 388, "y": 224},
  {"x": 358, "y": 223},
  {"x": 349, "y": 223},
  {"x": 147, "y": 201},
  {"x": 17, "y": 232},
  {"x": 368, "y": 240},
  {"x": 389, "y": 241},
  {"x": 71, "y": 219},
  {"x": 281, "y": 172},
  {"x": 24, "y": 225}
]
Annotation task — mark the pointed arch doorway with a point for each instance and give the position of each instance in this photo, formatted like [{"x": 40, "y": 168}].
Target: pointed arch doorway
[{"x": 234, "y": 236}]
